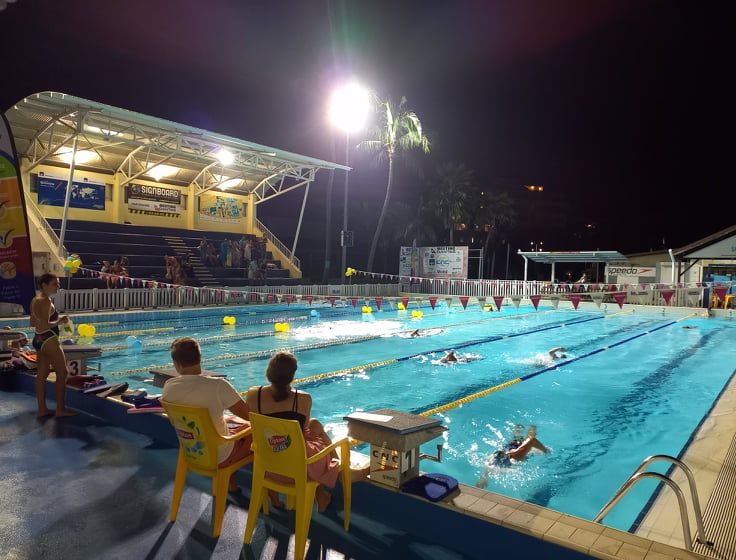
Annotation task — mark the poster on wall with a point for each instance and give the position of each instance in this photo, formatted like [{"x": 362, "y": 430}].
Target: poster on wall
[
  {"x": 16, "y": 258},
  {"x": 434, "y": 262},
  {"x": 157, "y": 201},
  {"x": 222, "y": 209},
  {"x": 52, "y": 191}
]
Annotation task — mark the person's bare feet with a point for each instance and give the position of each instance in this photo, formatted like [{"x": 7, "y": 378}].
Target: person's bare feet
[
  {"x": 356, "y": 475},
  {"x": 65, "y": 412},
  {"x": 323, "y": 499},
  {"x": 45, "y": 413}
]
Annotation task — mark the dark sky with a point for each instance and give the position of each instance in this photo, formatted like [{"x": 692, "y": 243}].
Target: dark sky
[{"x": 616, "y": 106}]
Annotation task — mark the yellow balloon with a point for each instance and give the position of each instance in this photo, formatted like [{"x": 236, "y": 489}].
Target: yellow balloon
[
  {"x": 285, "y": 327},
  {"x": 91, "y": 330}
]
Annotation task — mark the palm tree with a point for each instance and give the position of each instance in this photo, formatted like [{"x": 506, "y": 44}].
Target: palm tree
[
  {"x": 494, "y": 212},
  {"x": 451, "y": 195},
  {"x": 398, "y": 130}
]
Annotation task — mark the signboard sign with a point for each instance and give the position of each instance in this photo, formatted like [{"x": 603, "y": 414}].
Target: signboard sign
[
  {"x": 223, "y": 209},
  {"x": 16, "y": 258},
  {"x": 434, "y": 262},
  {"x": 624, "y": 274},
  {"x": 154, "y": 200},
  {"x": 52, "y": 192}
]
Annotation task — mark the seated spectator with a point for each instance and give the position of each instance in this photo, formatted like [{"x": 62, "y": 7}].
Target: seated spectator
[
  {"x": 252, "y": 270},
  {"x": 174, "y": 272},
  {"x": 186, "y": 265},
  {"x": 192, "y": 388},
  {"x": 203, "y": 246},
  {"x": 116, "y": 271},
  {"x": 211, "y": 255}
]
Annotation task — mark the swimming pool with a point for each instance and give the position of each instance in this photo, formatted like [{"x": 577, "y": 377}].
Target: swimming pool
[{"x": 600, "y": 414}]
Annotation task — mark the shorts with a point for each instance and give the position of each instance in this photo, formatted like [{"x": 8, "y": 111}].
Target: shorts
[
  {"x": 39, "y": 339},
  {"x": 241, "y": 448}
]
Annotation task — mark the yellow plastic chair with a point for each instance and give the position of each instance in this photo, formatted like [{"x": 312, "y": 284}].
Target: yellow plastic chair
[
  {"x": 198, "y": 443},
  {"x": 278, "y": 448}
]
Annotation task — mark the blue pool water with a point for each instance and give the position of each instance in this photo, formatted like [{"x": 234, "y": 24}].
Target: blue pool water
[{"x": 600, "y": 415}]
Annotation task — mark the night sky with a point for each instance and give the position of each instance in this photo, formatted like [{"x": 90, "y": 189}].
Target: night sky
[{"x": 616, "y": 107}]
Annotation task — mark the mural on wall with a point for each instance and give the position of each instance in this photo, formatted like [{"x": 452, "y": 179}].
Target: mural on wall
[
  {"x": 222, "y": 209},
  {"x": 86, "y": 195}
]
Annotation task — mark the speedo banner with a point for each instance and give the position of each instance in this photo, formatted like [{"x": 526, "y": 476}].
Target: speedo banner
[{"x": 16, "y": 259}]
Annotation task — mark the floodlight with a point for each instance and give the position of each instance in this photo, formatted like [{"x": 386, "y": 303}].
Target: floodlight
[
  {"x": 162, "y": 170},
  {"x": 225, "y": 182},
  {"x": 226, "y": 157},
  {"x": 80, "y": 156},
  {"x": 349, "y": 107}
]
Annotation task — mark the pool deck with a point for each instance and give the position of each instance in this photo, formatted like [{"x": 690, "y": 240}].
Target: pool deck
[
  {"x": 87, "y": 488},
  {"x": 712, "y": 458}
]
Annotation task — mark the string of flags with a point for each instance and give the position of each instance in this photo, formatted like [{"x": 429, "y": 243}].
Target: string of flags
[{"x": 574, "y": 293}]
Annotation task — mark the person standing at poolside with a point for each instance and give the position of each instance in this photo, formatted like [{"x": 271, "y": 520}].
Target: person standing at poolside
[{"x": 45, "y": 320}]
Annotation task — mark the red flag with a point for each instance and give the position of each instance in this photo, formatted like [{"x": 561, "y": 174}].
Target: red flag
[
  {"x": 289, "y": 298},
  {"x": 332, "y": 301},
  {"x": 405, "y": 302},
  {"x": 535, "y": 300},
  {"x": 667, "y": 295},
  {"x": 354, "y": 301},
  {"x": 379, "y": 301},
  {"x": 432, "y": 301},
  {"x": 620, "y": 298},
  {"x": 720, "y": 292},
  {"x": 309, "y": 299},
  {"x": 463, "y": 301},
  {"x": 575, "y": 300},
  {"x": 498, "y": 300},
  {"x": 269, "y": 298}
]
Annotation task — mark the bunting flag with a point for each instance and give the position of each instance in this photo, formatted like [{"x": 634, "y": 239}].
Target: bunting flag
[
  {"x": 535, "y": 300},
  {"x": 331, "y": 299},
  {"x": 575, "y": 300},
  {"x": 379, "y": 301},
  {"x": 354, "y": 301},
  {"x": 464, "y": 301},
  {"x": 405, "y": 302},
  {"x": 620, "y": 298},
  {"x": 516, "y": 300},
  {"x": 720, "y": 292},
  {"x": 269, "y": 298},
  {"x": 448, "y": 301},
  {"x": 554, "y": 300},
  {"x": 432, "y": 301},
  {"x": 498, "y": 300},
  {"x": 289, "y": 298},
  {"x": 597, "y": 299},
  {"x": 693, "y": 295},
  {"x": 309, "y": 299},
  {"x": 667, "y": 295}
]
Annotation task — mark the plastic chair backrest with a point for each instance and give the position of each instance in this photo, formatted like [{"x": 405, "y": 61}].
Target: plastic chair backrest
[
  {"x": 278, "y": 446},
  {"x": 196, "y": 434}
]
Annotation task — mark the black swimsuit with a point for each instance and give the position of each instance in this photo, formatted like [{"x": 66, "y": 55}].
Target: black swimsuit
[
  {"x": 39, "y": 339},
  {"x": 285, "y": 414}
]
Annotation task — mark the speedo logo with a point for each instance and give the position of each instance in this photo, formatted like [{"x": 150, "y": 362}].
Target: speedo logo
[{"x": 623, "y": 270}]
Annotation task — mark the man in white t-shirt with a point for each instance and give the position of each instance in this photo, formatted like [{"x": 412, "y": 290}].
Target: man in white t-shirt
[{"x": 191, "y": 388}]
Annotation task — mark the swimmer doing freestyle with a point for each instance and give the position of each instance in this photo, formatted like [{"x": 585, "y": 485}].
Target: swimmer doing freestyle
[{"x": 516, "y": 449}]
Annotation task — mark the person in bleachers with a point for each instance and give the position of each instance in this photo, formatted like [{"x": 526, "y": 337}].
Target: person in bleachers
[
  {"x": 225, "y": 253},
  {"x": 203, "y": 245},
  {"x": 211, "y": 255},
  {"x": 252, "y": 270},
  {"x": 236, "y": 254},
  {"x": 186, "y": 266},
  {"x": 247, "y": 253},
  {"x": 116, "y": 271}
]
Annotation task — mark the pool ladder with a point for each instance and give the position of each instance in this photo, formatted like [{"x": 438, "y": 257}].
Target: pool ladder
[{"x": 641, "y": 474}]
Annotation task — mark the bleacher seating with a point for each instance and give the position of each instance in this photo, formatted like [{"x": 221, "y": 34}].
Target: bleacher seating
[{"x": 146, "y": 247}]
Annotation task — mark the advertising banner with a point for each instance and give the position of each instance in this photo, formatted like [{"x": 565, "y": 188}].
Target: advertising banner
[
  {"x": 223, "y": 209},
  {"x": 434, "y": 262},
  {"x": 624, "y": 274},
  {"x": 145, "y": 199},
  {"x": 52, "y": 191},
  {"x": 16, "y": 258}
]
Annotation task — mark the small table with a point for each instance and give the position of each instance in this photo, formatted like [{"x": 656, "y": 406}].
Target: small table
[{"x": 395, "y": 438}]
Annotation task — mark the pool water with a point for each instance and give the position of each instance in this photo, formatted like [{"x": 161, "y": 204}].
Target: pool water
[{"x": 600, "y": 415}]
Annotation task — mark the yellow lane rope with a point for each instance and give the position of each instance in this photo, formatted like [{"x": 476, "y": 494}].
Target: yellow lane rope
[
  {"x": 469, "y": 398},
  {"x": 138, "y": 331},
  {"x": 218, "y": 338},
  {"x": 619, "y": 313},
  {"x": 345, "y": 371}
]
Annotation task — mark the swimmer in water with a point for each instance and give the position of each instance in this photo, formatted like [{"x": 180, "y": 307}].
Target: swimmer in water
[
  {"x": 516, "y": 450},
  {"x": 449, "y": 358},
  {"x": 415, "y": 334},
  {"x": 689, "y": 327},
  {"x": 557, "y": 353}
]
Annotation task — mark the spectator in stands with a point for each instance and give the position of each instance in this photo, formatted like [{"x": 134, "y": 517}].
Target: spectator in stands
[
  {"x": 236, "y": 254},
  {"x": 211, "y": 255},
  {"x": 203, "y": 246},
  {"x": 186, "y": 266},
  {"x": 247, "y": 253},
  {"x": 124, "y": 266},
  {"x": 116, "y": 271},
  {"x": 255, "y": 251},
  {"x": 225, "y": 253},
  {"x": 174, "y": 272},
  {"x": 262, "y": 271},
  {"x": 252, "y": 270}
]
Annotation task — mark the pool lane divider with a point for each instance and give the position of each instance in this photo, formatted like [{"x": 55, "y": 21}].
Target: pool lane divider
[
  {"x": 469, "y": 398},
  {"x": 375, "y": 365}
]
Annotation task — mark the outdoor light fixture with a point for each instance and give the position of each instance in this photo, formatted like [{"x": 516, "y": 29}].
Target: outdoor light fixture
[
  {"x": 225, "y": 182},
  {"x": 349, "y": 107},
  {"x": 162, "y": 170},
  {"x": 80, "y": 157},
  {"x": 534, "y": 188},
  {"x": 226, "y": 157}
]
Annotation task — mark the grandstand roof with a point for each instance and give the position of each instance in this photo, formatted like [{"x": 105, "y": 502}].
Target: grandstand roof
[
  {"x": 549, "y": 257},
  {"x": 116, "y": 140}
]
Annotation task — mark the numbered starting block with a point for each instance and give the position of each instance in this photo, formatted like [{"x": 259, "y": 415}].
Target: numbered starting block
[
  {"x": 395, "y": 438},
  {"x": 78, "y": 358}
]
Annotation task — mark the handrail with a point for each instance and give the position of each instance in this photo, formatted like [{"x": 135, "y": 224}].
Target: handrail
[
  {"x": 268, "y": 234},
  {"x": 40, "y": 218},
  {"x": 640, "y": 474}
]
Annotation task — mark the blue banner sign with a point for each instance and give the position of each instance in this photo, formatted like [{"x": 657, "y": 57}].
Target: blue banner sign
[{"x": 90, "y": 196}]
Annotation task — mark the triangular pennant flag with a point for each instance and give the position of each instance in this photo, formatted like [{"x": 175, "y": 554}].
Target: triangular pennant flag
[
  {"x": 464, "y": 301},
  {"x": 448, "y": 301},
  {"x": 667, "y": 295},
  {"x": 597, "y": 299},
  {"x": 405, "y": 302},
  {"x": 269, "y": 298},
  {"x": 516, "y": 300},
  {"x": 535, "y": 300},
  {"x": 332, "y": 300},
  {"x": 309, "y": 299},
  {"x": 620, "y": 298},
  {"x": 289, "y": 298},
  {"x": 379, "y": 301},
  {"x": 575, "y": 300},
  {"x": 354, "y": 302},
  {"x": 432, "y": 301},
  {"x": 720, "y": 292},
  {"x": 554, "y": 300},
  {"x": 693, "y": 295},
  {"x": 498, "y": 300}
]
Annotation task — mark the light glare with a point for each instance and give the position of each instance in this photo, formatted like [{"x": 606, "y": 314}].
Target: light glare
[
  {"x": 226, "y": 157},
  {"x": 162, "y": 170},
  {"x": 80, "y": 157},
  {"x": 349, "y": 107}
]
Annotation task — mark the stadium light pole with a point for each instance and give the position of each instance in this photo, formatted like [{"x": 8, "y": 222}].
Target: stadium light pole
[{"x": 349, "y": 107}]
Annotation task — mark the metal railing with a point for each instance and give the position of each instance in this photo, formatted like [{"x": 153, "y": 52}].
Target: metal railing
[
  {"x": 268, "y": 234},
  {"x": 640, "y": 474},
  {"x": 41, "y": 222}
]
